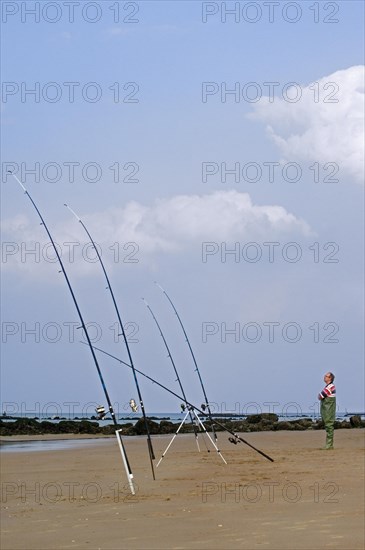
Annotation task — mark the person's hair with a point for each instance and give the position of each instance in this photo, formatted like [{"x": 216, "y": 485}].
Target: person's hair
[{"x": 332, "y": 376}]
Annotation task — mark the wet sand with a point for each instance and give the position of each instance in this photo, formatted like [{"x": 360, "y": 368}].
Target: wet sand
[{"x": 79, "y": 498}]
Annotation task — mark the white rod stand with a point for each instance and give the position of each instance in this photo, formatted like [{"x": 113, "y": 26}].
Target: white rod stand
[
  {"x": 125, "y": 462},
  {"x": 190, "y": 410}
]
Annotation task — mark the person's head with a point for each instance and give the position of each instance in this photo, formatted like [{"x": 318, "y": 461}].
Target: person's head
[{"x": 329, "y": 377}]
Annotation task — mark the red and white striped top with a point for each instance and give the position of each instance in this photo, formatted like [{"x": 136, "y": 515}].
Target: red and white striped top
[{"x": 329, "y": 391}]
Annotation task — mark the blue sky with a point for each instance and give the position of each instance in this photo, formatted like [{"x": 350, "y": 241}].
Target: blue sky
[{"x": 162, "y": 140}]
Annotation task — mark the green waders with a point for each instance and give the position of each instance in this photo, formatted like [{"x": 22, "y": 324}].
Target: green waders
[{"x": 328, "y": 414}]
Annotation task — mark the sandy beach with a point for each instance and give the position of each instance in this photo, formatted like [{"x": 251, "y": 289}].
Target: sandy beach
[{"x": 78, "y": 497}]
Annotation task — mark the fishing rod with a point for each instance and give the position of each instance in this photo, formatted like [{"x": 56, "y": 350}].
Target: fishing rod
[
  {"x": 109, "y": 287},
  {"x": 206, "y": 405},
  {"x": 178, "y": 379},
  {"x": 117, "y": 432},
  {"x": 235, "y": 437}
]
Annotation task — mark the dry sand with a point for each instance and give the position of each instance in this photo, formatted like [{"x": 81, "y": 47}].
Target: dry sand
[{"x": 78, "y": 498}]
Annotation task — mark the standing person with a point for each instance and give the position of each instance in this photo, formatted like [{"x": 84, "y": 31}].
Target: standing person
[{"x": 327, "y": 398}]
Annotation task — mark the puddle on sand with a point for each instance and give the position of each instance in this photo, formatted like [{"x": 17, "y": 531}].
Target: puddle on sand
[{"x": 49, "y": 445}]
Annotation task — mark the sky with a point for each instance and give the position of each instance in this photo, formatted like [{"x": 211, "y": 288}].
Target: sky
[{"x": 213, "y": 147}]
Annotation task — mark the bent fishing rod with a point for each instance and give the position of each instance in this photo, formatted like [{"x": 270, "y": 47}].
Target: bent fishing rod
[
  {"x": 236, "y": 437},
  {"x": 109, "y": 287},
  {"x": 178, "y": 379},
  {"x": 206, "y": 405},
  {"x": 120, "y": 441}
]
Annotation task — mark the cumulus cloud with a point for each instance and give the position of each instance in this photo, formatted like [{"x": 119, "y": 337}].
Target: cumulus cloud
[
  {"x": 178, "y": 222},
  {"x": 325, "y": 124},
  {"x": 169, "y": 225}
]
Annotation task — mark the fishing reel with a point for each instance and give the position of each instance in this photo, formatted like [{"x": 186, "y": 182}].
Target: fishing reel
[
  {"x": 203, "y": 407},
  {"x": 100, "y": 411},
  {"x": 183, "y": 407},
  {"x": 133, "y": 405}
]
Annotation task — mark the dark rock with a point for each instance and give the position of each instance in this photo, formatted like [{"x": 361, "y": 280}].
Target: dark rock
[
  {"x": 355, "y": 421},
  {"x": 305, "y": 423},
  {"x": 256, "y": 418},
  {"x": 167, "y": 427},
  {"x": 345, "y": 425},
  {"x": 166, "y": 423},
  {"x": 127, "y": 429},
  {"x": 241, "y": 426},
  {"x": 26, "y": 426},
  {"x": 110, "y": 429},
  {"x": 21, "y": 426},
  {"x": 68, "y": 427},
  {"x": 185, "y": 428},
  {"x": 140, "y": 429},
  {"x": 262, "y": 426},
  {"x": 87, "y": 427},
  {"x": 49, "y": 427}
]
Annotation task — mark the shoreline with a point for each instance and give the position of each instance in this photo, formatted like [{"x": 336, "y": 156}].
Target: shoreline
[
  {"x": 252, "y": 424},
  {"x": 51, "y": 437},
  {"x": 4, "y": 439}
]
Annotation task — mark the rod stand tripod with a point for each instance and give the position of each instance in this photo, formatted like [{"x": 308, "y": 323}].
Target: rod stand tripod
[{"x": 191, "y": 411}]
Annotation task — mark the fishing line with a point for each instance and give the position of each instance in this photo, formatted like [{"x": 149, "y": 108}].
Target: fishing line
[
  {"x": 120, "y": 441},
  {"x": 109, "y": 287}
]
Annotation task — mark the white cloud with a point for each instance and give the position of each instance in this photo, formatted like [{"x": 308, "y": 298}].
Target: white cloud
[
  {"x": 66, "y": 35},
  {"x": 179, "y": 222},
  {"x": 171, "y": 225},
  {"x": 157, "y": 29},
  {"x": 119, "y": 31},
  {"x": 317, "y": 129}
]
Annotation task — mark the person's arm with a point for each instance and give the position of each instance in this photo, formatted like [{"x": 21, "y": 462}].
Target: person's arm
[{"x": 324, "y": 393}]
